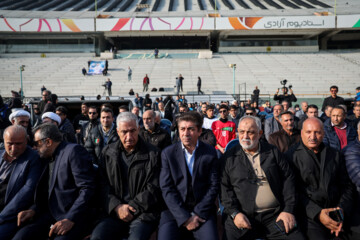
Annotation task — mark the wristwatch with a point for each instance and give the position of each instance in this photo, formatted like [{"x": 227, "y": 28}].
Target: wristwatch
[{"x": 233, "y": 215}]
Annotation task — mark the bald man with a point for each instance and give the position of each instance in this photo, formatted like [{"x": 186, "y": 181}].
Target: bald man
[
  {"x": 322, "y": 183},
  {"x": 20, "y": 170}
]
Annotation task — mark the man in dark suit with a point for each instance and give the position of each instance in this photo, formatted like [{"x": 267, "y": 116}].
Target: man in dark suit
[
  {"x": 64, "y": 191},
  {"x": 20, "y": 170},
  {"x": 189, "y": 182},
  {"x": 322, "y": 183},
  {"x": 257, "y": 188}
]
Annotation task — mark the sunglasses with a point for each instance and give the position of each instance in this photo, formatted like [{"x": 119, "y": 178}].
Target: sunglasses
[
  {"x": 92, "y": 113},
  {"x": 249, "y": 113}
]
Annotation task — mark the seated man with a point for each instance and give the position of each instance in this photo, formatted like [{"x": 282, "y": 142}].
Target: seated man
[
  {"x": 338, "y": 130},
  {"x": 189, "y": 183},
  {"x": 257, "y": 188},
  {"x": 352, "y": 159},
  {"x": 322, "y": 182},
  {"x": 288, "y": 135},
  {"x": 152, "y": 133},
  {"x": 131, "y": 184},
  {"x": 64, "y": 191},
  {"x": 20, "y": 170}
]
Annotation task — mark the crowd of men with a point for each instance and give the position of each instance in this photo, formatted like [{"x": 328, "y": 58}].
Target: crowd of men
[{"x": 169, "y": 169}]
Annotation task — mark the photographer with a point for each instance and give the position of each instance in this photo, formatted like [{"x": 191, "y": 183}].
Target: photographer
[
  {"x": 107, "y": 86},
  {"x": 285, "y": 96}
]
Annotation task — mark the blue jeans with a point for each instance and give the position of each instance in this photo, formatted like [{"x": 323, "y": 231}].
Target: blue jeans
[{"x": 112, "y": 228}]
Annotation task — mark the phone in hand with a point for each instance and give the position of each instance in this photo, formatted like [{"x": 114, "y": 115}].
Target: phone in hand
[
  {"x": 336, "y": 215},
  {"x": 280, "y": 226}
]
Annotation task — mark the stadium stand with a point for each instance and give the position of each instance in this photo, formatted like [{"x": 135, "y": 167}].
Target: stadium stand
[{"x": 264, "y": 70}]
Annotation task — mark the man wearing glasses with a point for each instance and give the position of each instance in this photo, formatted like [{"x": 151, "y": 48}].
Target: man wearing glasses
[
  {"x": 66, "y": 186},
  {"x": 257, "y": 188},
  {"x": 334, "y": 99},
  {"x": 86, "y": 128},
  {"x": 223, "y": 129},
  {"x": 44, "y": 100}
]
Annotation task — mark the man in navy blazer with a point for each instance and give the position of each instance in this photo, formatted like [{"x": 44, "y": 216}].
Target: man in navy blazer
[
  {"x": 63, "y": 195},
  {"x": 20, "y": 169},
  {"x": 189, "y": 181}
]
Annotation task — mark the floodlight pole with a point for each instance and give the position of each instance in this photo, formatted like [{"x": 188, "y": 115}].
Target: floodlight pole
[
  {"x": 215, "y": 16},
  {"x": 21, "y": 81},
  {"x": 234, "y": 67},
  {"x": 335, "y": 8}
]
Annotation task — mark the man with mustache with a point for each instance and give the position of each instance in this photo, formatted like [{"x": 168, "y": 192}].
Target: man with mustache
[
  {"x": 322, "y": 182},
  {"x": 257, "y": 188}
]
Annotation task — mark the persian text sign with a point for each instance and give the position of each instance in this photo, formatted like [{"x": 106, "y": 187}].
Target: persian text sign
[{"x": 249, "y": 23}]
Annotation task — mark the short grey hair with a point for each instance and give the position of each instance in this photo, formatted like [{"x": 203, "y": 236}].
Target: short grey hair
[
  {"x": 157, "y": 114},
  {"x": 49, "y": 130},
  {"x": 126, "y": 117},
  {"x": 255, "y": 119},
  {"x": 17, "y": 130}
]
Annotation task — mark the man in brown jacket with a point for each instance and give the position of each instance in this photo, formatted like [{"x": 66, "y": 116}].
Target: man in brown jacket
[{"x": 288, "y": 135}]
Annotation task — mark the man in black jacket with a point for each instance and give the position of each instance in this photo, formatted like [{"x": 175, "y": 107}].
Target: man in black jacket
[
  {"x": 322, "y": 182},
  {"x": 257, "y": 188},
  {"x": 152, "y": 133},
  {"x": 334, "y": 99},
  {"x": 130, "y": 170},
  {"x": 102, "y": 135}
]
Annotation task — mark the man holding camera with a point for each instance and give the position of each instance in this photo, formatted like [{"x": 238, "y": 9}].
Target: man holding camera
[
  {"x": 285, "y": 96},
  {"x": 325, "y": 193}
]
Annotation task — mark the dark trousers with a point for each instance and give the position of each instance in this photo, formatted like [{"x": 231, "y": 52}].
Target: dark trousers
[
  {"x": 199, "y": 90},
  {"x": 170, "y": 230},
  {"x": 315, "y": 230},
  {"x": 263, "y": 226},
  {"x": 39, "y": 229},
  {"x": 112, "y": 228},
  {"x": 109, "y": 92},
  {"x": 8, "y": 230}
]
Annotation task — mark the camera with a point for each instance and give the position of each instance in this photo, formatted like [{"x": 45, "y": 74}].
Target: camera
[
  {"x": 283, "y": 82},
  {"x": 290, "y": 86}
]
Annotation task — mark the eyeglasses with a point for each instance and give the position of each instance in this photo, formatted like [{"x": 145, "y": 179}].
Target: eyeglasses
[
  {"x": 45, "y": 95},
  {"x": 92, "y": 113},
  {"x": 333, "y": 90},
  {"x": 223, "y": 111},
  {"x": 36, "y": 143}
]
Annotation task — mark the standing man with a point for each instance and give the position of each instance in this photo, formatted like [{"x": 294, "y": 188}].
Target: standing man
[
  {"x": 285, "y": 96},
  {"x": 181, "y": 79},
  {"x": 146, "y": 82},
  {"x": 44, "y": 100},
  {"x": 210, "y": 117},
  {"x": 255, "y": 96},
  {"x": 288, "y": 135},
  {"x": 223, "y": 129},
  {"x": 64, "y": 191},
  {"x": 322, "y": 183},
  {"x": 257, "y": 188},
  {"x": 129, "y": 73},
  {"x": 156, "y": 53},
  {"x": 272, "y": 125},
  {"x": 108, "y": 86},
  {"x": 189, "y": 182},
  {"x": 199, "y": 86},
  {"x": 152, "y": 133},
  {"x": 131, "y": 182},
  {"x": 338, "y": 130},
  {"x": 82, "y": 118},
  {"x": 86, "y": 128},
  {"x": 334, "y": 100},
  {"x": 101, "y": 135},
  {"x": 139, "y": 103},
  {"x": 302, "y": 111},
  {"x": 65, "y": 125},
  {"x": 20, "y": 170}
]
